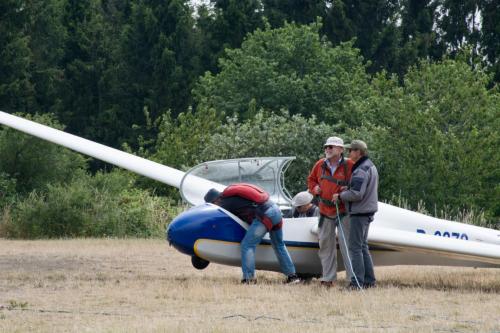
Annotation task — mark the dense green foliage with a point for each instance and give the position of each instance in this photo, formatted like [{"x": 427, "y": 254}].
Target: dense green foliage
[
  {"x": 269, "y": 134},
  {"x": 288, "y": 68},
  {"x": 46, "y": 192},
  {"x": 98, "y": 64},
  {"x": 435, "y": 138},
  {"x": 415, "y": 79},
  {"x": 31, "y": 163},
  {"x": 180, "y": 140},
  {"x": 432, "y": 136},
  {"x": 98, "y": 206},
  {"x": 178, "y": 143},
  {"x": 7, "y": 190}
]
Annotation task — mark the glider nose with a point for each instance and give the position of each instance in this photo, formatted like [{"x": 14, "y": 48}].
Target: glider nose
[
  {"x": 202, "y": 222},
  {"x": 182, "y": 230},
  {"x": 189, "y": 226}
]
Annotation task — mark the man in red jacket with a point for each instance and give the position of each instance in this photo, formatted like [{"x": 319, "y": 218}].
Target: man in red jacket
[{"x": 329, "y": 176}]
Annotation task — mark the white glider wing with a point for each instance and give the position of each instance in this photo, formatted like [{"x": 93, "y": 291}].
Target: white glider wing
[{"x": 139, "y": 165}]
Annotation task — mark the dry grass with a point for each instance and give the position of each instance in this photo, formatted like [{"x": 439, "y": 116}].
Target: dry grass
[{"x": 146, "y": 286}]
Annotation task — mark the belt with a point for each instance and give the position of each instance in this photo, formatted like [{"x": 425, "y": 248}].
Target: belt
[
  {"x": 363, "y": 214},
  {"x": 265, "y": 206},
  {"x": 333, "y": 217}
]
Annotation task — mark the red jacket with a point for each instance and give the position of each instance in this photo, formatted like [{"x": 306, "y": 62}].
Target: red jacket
[{"x": 329, "y": 184}]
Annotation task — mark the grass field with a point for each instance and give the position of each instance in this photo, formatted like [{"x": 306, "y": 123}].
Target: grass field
[{"x": 147, "y": 286}]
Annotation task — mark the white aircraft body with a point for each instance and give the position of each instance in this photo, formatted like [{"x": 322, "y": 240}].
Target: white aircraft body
[{"x": 208, "y": 233}]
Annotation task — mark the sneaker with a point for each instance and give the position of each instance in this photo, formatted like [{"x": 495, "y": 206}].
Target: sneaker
[
  {"x": 249, "y": 281},
  {"x": 292, "y": 279}
]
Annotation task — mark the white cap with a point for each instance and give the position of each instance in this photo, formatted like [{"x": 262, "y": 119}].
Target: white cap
[
  {"x": 301, "y": 199},
  {"x": 334, "y": 141}
]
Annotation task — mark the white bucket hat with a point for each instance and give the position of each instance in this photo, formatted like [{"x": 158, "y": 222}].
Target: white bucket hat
[
  {"x": 334, "y": 141},
  {"x": 301, "y": 199}
]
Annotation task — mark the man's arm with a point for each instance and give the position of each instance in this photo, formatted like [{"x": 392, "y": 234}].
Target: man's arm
[
  {"x": 312, "y": 180},
  {"x": 357, "y": 190}
]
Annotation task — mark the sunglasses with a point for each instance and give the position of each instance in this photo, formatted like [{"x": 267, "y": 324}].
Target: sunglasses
[{"x": 330, "y": 147}]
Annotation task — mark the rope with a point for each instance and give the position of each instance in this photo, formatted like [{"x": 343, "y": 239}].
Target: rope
[{"x": 345, "y": 246}]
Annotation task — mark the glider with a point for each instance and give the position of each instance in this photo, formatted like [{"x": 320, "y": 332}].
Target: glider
[{"x": 207, "y": 233}]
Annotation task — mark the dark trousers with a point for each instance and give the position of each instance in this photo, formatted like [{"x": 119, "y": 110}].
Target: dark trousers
[{"x": 361, "y": 258}]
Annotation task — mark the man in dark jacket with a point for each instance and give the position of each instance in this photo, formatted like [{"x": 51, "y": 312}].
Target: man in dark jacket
[{"x": 362, "y": 202}]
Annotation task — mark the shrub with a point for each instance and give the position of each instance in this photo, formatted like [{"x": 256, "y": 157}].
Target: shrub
[
  {"x": 7, "y": 190},
  {"x": 102, "y": 205},
  {"x": 33, "y": 162}
]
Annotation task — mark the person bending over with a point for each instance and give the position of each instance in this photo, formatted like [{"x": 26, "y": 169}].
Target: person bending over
[{"x": 252, "y": 204}]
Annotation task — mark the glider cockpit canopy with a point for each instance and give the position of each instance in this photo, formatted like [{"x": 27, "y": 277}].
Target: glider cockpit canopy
[{"x": 266, "y": 172}]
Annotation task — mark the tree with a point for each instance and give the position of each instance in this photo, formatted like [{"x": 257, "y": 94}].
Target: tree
[
  {"x": 272, "y": 134},
  {"x": 234, "y": 19},
  {"x": 490, "y": 30},
  {"x": 87, "y": 55},
  {"x": 418, "y": 37},
  {"x": 156, "y": 64},
  {"x": 32, "y": 163},
  {"x": 298, "y": 11},
  {"x": 372, "y": 24},
  {"x": 460, "y": 24},
  {"x": 435, "y": 137},
  {"x": 178, "y": 143},
  {"x": 180, "y": 140},
  {"x": 288, "y": 68},
  {"x": 222, "y": 24},
  {"x": 47, "y": 39},
  {"x": 16, "y": 87}
]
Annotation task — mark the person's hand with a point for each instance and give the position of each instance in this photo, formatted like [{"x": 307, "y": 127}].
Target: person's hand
[
  {"x": 317, "y": 190},
  {"x": 335, "y": 197},
  {"x": 343, "y": 188}
]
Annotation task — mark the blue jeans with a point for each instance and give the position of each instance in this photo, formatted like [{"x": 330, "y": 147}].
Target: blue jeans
[
  {"x": 361, "y": 258},
  {"x": 252, "y": 238}
]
